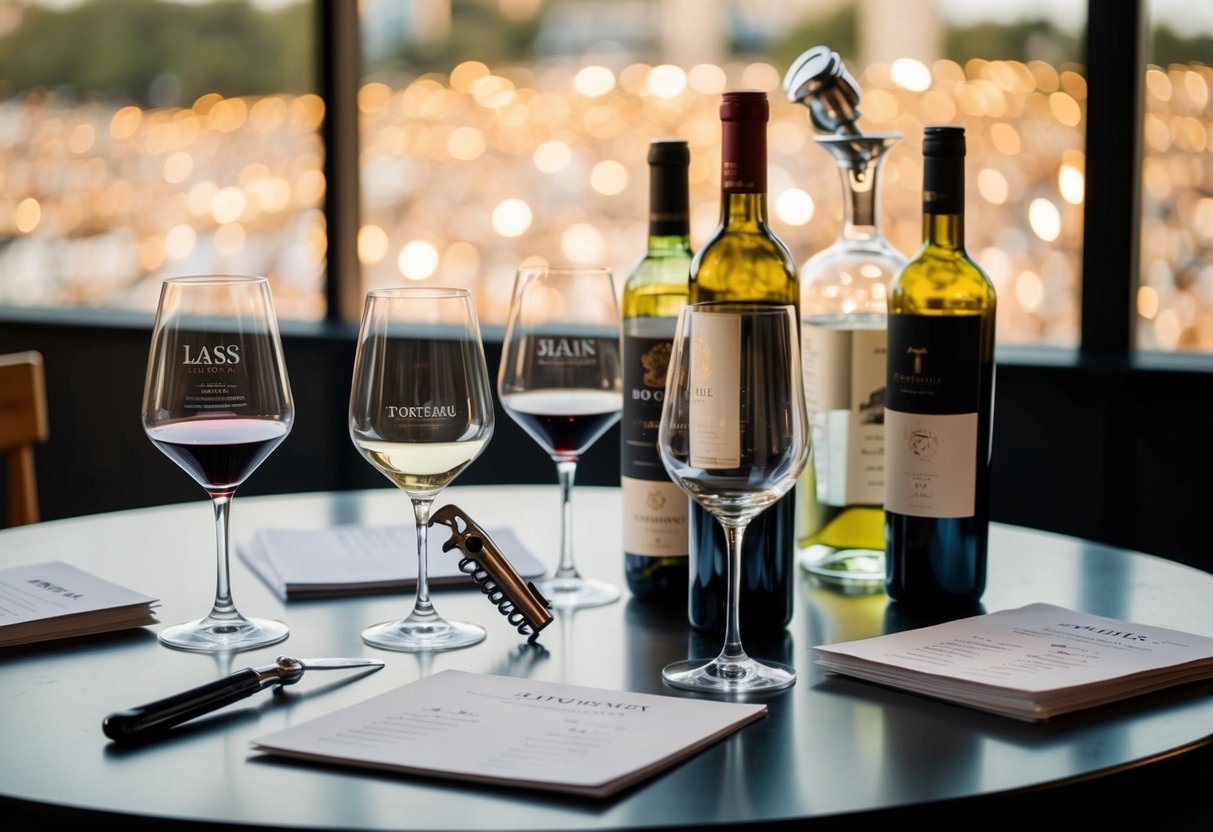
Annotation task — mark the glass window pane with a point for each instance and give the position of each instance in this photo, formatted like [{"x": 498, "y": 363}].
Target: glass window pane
[
  {"x": 501, "y": 131},
  {"x": 144, "y": 140},
  {"x": 1175, "y": 290}
]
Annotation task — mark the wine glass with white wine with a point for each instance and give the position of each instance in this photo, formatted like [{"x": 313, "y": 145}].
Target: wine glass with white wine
[
  {"x": 421, "y": 410},
  {"x": 734, "y": 436}
]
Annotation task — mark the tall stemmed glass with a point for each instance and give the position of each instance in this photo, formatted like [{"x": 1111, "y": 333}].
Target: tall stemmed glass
[
  {"x": 217, "y": 402},
  {"x": 561, "y": 380},
  {"x": 734, "y": 436},
  {"x": 421, "y": 409}
]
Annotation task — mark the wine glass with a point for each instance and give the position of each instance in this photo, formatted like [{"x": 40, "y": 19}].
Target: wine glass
[
  {"x": 421, "y": 409},
  {"x": 217, "y": 402},
  {"x": 561, "y": 379},
  {"x": 734, "y": 436}
]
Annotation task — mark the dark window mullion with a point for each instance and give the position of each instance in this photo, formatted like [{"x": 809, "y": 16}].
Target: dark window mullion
[
  {"x": 340, "y": 62},
  {"x": 1112, "y": 209}
]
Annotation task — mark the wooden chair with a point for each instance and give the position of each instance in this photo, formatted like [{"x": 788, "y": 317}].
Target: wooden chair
[{"x": 23, "y": 421}]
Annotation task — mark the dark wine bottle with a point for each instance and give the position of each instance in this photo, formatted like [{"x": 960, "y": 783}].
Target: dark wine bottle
[
  {"x": 939, "y": 405},
  {"x": 654, "y": 508},
  {"x": 743, "y": 260}
]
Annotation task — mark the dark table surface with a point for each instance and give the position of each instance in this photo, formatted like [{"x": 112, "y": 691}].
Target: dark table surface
[{"x": 830, "y": 750}]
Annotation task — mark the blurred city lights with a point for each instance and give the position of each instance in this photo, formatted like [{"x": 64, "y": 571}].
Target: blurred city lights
[
  {"x": 794, "y": 207},
  {"x": 1044, "y": 219},
  {"x": 910, "y": 74},
  {"x": 594, "y": 81},
  {"x": 467, "y": 175},
  {"x": 667, "y": 81},
  {"x": 418, "y": 260},
  {"x": 511, "y": 218}
]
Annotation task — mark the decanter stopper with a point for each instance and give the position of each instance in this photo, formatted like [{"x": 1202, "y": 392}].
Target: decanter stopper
[{"x": 819, "y": 80}]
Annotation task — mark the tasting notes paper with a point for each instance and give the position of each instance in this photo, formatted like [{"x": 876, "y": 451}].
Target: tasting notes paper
[
  {"x": 350, "y": 560},
  {"x": 520, "y": 732},
  {"x": 53, "y": 600},
  {"x": 1033, "y": 663}
]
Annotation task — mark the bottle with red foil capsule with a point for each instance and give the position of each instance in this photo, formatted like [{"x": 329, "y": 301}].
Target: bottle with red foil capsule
[{"x": 743, "y": 260}]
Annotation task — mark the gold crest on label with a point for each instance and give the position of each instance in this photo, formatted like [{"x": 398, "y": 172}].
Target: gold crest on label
[
  {"x": 655, "y": 499},
  {"x": 656, "y": 362}
]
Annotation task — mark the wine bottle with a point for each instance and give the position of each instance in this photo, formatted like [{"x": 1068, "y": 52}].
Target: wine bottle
[
  {"x": 939, "y": 400},
  {"x": 654, "y": 508},
  {"x": 743, "y": 260}
]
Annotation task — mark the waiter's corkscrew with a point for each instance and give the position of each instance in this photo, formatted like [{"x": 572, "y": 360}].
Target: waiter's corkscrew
[{"x": 522, "y": 604}]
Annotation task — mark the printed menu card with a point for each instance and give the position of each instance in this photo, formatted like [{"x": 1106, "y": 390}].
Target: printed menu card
[
  {"x": 511, "y": 731},
  {"x": 1033, "y": 663},
  {"x": 53, "y": 600}
]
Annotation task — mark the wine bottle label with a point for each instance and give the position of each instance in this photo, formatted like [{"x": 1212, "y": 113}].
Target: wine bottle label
[
  {"x": 654, "y": 518},
  {"x": 844, "y": 382},
  {"x": 714, "y": 412},
  {"x": 931, "y": 419},
  {"x": 654, "y": 508},
  {"x": 646, "y": 361}
]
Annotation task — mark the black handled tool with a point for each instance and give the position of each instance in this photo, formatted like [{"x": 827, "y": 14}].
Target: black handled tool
[{"x": 146, "y": 721}]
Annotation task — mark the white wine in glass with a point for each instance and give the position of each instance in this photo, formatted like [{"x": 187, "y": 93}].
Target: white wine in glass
[
  {"x": 734, "y": 436},
  {"x": 421, "y": 410},
  {"x": 217, "y": 402},
  {"x": 561, "y": 379}
]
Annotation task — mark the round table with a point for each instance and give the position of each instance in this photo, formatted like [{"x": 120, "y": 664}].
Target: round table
[{"x": 830, "y": 748}]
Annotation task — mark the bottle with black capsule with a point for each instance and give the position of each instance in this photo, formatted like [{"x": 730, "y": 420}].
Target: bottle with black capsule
[
  {"x": 939, "y": 400},
  {"x": 744, "y": 260},
  {"x": 655, "y": 510}
]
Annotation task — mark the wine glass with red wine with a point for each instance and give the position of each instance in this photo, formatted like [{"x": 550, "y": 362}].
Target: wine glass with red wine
[
  {"x": 734, "y": 437},
  {"x": 561, "y": 379},
  {"x": 217, "y": 402}
]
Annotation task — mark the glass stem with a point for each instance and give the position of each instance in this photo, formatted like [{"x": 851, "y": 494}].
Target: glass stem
[
  {"x": 732, "y": 652},
  {"x": 423, "y": 608},
  {"x": 566, "y": 470},
  {"x": 224, "y": 608}
]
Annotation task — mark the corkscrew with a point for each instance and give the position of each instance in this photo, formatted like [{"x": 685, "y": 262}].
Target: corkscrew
[{"x": 519, "y": 601}]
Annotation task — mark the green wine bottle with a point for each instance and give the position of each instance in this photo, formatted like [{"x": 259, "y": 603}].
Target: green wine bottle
[
  {"x": 654, "y": 508},
  {"x": 939, "y": 400},
  {"x": 743, "y": 260}
]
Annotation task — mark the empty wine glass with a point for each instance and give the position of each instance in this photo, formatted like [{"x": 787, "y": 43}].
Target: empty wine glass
[
  {"x": 561, "y": 380},
  {"x": 217, "y": 402},
  {"x": 734, "y": 436},
  {"x": 421, "y": 409}
]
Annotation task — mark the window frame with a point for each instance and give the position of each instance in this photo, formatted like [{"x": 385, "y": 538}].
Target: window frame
[
  {"x": 1115, "y": 62},
  {"x": 1098, "y": 441}
]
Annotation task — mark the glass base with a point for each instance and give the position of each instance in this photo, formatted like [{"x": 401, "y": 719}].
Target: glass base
[
  {"x": 716, "y": 676},
  {"x": 852, "y": 571},
  {"x": 423, "y": 637},
  {"x": 577, "y": 593},
  {"x": 213, "y": 635}
]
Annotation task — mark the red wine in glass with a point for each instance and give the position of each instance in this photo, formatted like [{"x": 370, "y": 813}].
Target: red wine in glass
[
  {"x": 565, "y": 422},
  {"x": 218, "y": 453}
]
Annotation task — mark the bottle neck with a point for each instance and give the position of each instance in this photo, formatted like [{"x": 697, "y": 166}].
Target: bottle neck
[
  {"x": 668, "y": 244},
  {"x": 740, "y": 211},
  {"x": 743, "y": 173},
  {"x": 943, "y": 202},
  {"x": 668, "y": 202},
  {"x": 944, "y": 230}
]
